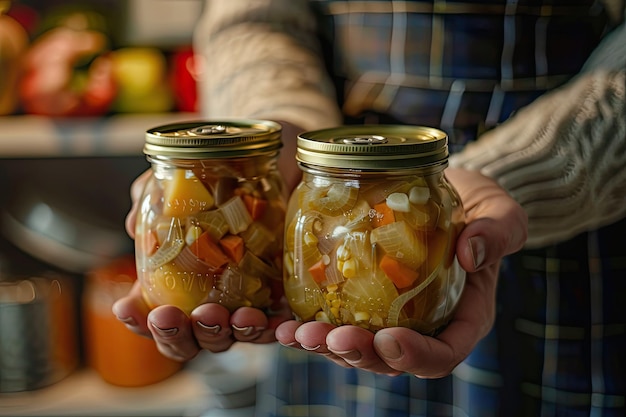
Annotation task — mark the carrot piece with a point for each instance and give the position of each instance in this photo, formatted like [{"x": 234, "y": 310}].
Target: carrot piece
[
  {"x": 384, "y": 215},
  {"x": 401, "y": 275},
  {"x": 233, "y": 247},
  {"x": 318, "y": 271},
  {"x": 256, "y": 206},
  {"x": 209, "y": 252}
]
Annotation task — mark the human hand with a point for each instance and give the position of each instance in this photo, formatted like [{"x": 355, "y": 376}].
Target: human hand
[
  {"x": 495, "y": 226},
  {"x": 209, "y": 326}
]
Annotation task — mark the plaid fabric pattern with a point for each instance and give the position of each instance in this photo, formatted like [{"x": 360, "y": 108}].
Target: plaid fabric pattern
[
  {"x": 558, "y": 347},
  {"x": 462, "y": 66}
]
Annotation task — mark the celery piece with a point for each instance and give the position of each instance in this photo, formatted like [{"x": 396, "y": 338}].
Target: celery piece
[
  {"x": 250, "y": 264},
  {"x": 187, "y": 261},
  {"x": 214, "y": 223},
  {"x": 418, "y": 218},
  {"x": 258, "y": 238},
  {"x": 335, "y": 199},
  {"x": 401, "y": 242},
  {"x": 236, "y": 215}
]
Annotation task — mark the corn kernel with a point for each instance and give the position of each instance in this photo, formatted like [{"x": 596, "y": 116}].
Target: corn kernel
[
  {"x": 349, "y": 268},
  {"x": 332, "y": 288},
  {"x": 343, "y": 253},
  {"x": 335, "y": 304},
  {"x": 192, "y": 234},
  {"x": 361, "y": 316},
  {"x": 321, "y": 316},
  {"x": 335, "y": 312}
]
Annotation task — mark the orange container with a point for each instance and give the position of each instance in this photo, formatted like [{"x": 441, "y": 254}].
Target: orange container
[{"x": 120, "y": 356}]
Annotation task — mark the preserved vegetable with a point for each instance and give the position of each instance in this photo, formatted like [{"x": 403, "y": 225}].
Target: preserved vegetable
[
  {"x": 211, "y": 218},
  {"x": 373, "y": 245}
]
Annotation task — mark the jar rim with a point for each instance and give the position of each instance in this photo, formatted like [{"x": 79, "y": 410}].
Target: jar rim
[
  {"x": 373, "y": 147},
  {"x": 224, "y": 138}
]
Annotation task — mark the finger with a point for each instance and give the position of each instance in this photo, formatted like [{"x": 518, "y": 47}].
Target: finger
[
  {"x": 250, "y": 324},
  {"x": 211, "y": 327},
  {"x": 311, "y": 336},
  {"x": 424, "y": 356},
  {"x": 406, "y": 350},
  {"x": 136, "y": 190},
  {"x": 172, "y": 332},
  {"x": 286, "y": 333},
  {"x": 355, "y": 346},
  {"x": 133, "y": 311},
  {"x": 484, "y": 242},
  {"x": 496, "y": 225}
]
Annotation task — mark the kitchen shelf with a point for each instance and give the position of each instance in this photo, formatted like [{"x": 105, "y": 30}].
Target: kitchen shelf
[
  {"x": 83, "y": 393},
  {"x": 30, "y": 136}
]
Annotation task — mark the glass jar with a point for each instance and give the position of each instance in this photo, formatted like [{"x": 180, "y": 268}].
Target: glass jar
[
  {"x": 132, "y": 360},
  {"x": 371, "y": 229},
  {"x": 211, "y": 218}
]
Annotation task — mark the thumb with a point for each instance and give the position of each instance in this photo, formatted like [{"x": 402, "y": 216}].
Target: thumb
[{"x": 485, "y": 241}]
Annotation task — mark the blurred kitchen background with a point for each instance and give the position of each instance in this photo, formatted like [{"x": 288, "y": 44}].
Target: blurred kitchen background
[{"x": 80, "y": 82}]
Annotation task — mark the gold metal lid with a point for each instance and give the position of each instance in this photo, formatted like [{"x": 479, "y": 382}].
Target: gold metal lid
[
  {"x": 374, "y": 147},
  {"x": 213, "y": 139}
]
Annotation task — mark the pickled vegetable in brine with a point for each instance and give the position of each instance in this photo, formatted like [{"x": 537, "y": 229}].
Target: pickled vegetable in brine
[
  {"x": 216, "y": 239},
  {"x": 373, "y": 253}
]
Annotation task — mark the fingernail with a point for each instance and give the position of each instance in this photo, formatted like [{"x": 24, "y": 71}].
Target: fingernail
[
  {"x": 387, "y": 346},
  {"x": 164, "y": 332},
  {"x": 215, "y": 329},
  {"x": 349, "y": 355},
  {"x": 129, "y": 321},
  {"x": 477, "y": 248},
  {"x": 248, "y": 330},
  {"x": 311, "y": 348}
]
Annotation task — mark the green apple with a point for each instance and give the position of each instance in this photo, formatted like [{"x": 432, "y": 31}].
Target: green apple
[{"x": 141, "y": 77}]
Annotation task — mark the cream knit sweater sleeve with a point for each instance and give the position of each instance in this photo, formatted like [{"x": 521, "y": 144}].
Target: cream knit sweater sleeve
[
  {"x": 563, "y": 157},
  {"x": 261, "y": 59}
]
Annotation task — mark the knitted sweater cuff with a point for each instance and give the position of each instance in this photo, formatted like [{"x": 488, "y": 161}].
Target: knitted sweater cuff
[{"x": 562, "y": 157}]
